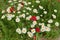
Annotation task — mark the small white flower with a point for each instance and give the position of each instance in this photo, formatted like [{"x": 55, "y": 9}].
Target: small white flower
[
  {"x": 30, "y": 34},
  {"x": 41, "y": 15},
  {"x": 14, "y": 0},
  {"x": 24, "y": 30},
  {"x": 55, "y": 10},
  {"x": 23, "y": 15},
  {"x": 44, "y": 9},
  {"x": 47, "y": 29},
  {"x": 33, "y": 30},
  {"x": 43, "y": 28},
  {"x": 27, "y": 13},
  {"x": 35, "y": 11},
  {"x": 28, "y": 18},
  {"x": 18, "y": 8},
  {"x": 29, "y": 2},
  {"x": 24, "y": 11},
  {"x": 50, "y": 21},
  {"x": 9, "y": 16},
  {"x": 32, "y": 5},
  {"x": 54, "y": 16},
  {"x": 17, "y": 19},
  {"x": 18, "y": 12},
  {"x": 41, "y": 7},
  {"x": 40, "y": 24},
  {"x": 37, "y": 17},
  {"x": 14, "y": 11},
  {"x": 34, "y": 22},
  {"x": 20, "y": 1},
  {"x": 28, "y": 8},
  {"x": 45, "y": 12},
  {"x": 32, "y": 26},
  {"x": 18, "y": 30},
  {"x": 8, "y": 10},
  {"x": 48, "y": 25},
  {"x": 37, "y": 1},
  {"x": 56, "y": 23},
  {"x": 9, "y": 1},
  {"x": 25, "y": 3},
  {"x": 3, "y": 16},
  {"x": 3, "y": 11}
]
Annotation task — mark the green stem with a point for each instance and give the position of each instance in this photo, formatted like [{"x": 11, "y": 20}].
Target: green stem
[{"x": 37, "y": 36}]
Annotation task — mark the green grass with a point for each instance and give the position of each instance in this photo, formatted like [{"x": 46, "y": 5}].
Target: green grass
[{"x": 7, "y": 28}]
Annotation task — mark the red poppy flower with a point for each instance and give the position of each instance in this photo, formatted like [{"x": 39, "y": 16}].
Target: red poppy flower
[
  {"x": 37, "y": 29},
  {"x": 33, "y": 18},
  {"x": 12, "y": 9}
]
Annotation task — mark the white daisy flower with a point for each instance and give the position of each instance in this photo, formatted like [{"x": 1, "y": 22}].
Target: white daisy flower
[
  {"x": 14, "y": 11},
  {"x": 37, "y": 17},
  {"x": 18, "y": 12},
  {"x": 14, "y": 0},
  {"x": 40, "y": 24},
  {"x": 20, "y": 1},
  {"x": 35, "y": 11},
  {"x": 47, "y": 29},
  {"x": 55, "y": 10},
  {"x": 9, "y": 1},
  {"x": 24, "y": 11},
  {"x": 32, "y": 5},
  {"x": 30, "y": 34},
  {"x": 28, "y": 18},
  {"x": 28, "y": 8},
  {"x": 18, "y": 30},
  {"x": 45, "y": 12},
  {"x": 48, "y": 25},
  {"x": 24, "y": 30},
  {"x": 32, "y": 26},
  {"x": 25, "y": 3},
  {"x": 3, "y": 11},
  {"x": 41, "y": 7},
  {"x": 18, "y": 8},
  {"x": 8, "y": 10},
  {"x": 17, "y": 19},
  {"x": 34, "y": 22},
  {"x": 44, "y": 9},
  {"x": 33, "y": 30},
  {"x": 27, "y": 13},
  {"x": 37, "y": 1},
  {"x": 50, "y": 21},
  {"x": 43, "y": 28},
  {"x": 29, "y": 2},
  {"x": 9, "y": 16},
  {"x": 56, "y": 23},
  {"x": 54, "y": 16},
  {"x": 20, "y": 5},
  {"x": 41, "y": 15},
  {"x": 3, "y": 16},
  {"x": 23, "y": 15}
]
